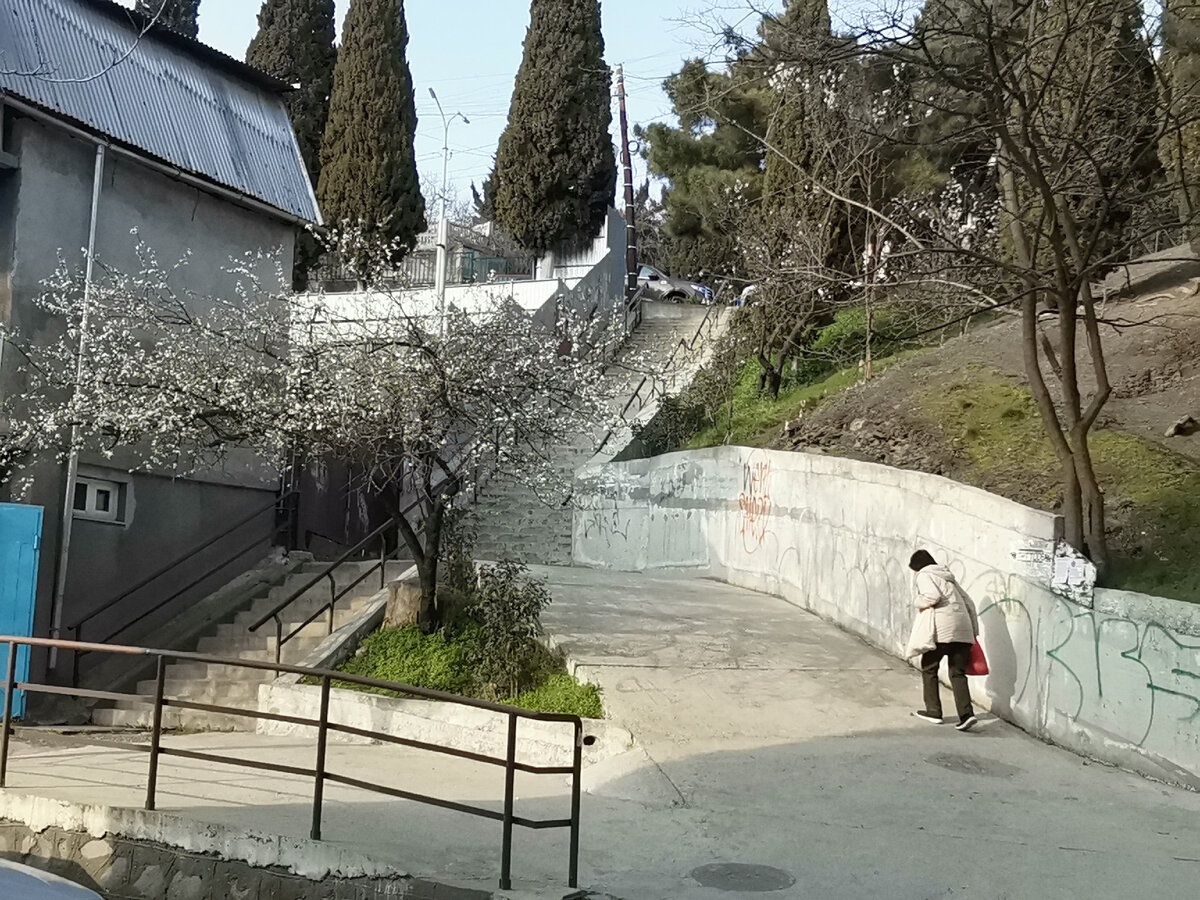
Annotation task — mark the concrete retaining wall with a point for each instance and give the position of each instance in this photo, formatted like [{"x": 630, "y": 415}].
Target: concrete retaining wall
[
  {"x": 445, "y": 724},
  {"x": 1108, "y": 674},
  {"x": 128, "y": 853}
]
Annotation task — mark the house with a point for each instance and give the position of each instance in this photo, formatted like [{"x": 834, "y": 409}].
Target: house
[{"x": 114, "y": 132}]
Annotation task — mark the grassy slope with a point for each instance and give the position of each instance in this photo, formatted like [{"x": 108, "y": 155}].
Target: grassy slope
[
  {"x": 757, "y": 419},
  {"x": 1154, "y": 516}
]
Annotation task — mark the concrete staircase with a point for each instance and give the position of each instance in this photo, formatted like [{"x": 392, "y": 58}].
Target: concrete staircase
[
  {"x": 222, "y": 685},
  {"x": 513, "y": 522}
]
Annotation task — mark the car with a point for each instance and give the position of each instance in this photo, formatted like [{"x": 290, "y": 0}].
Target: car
[
  {"x": 27, "y": 883},
  {"x": 659, "y": 286}
]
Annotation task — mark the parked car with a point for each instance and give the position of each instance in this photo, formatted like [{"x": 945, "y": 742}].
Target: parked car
[
  {"x": 26, "y": 883},
  {"x": 659, "y": 286}
]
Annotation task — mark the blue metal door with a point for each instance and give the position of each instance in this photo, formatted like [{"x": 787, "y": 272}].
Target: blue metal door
[{"x": 20, "y": 538}]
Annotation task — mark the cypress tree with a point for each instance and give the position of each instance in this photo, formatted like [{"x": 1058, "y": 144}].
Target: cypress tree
[
  {"x": 295, "y": 44},
  {"x": 368, "y": 168},
  {"x": 555, "y": 167},
  {"x": 1180, "y": 148},
  {"x": 178, "y": 15}
]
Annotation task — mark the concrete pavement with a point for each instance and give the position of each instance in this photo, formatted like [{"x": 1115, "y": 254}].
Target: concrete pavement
[
  {"x": 767, "y": 738},
  {"x": 785, "y": 742}
]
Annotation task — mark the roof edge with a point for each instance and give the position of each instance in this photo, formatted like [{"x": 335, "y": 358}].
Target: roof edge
[
  {"x": 164, "y": 167},
  {"x": 192, "y": 46}
]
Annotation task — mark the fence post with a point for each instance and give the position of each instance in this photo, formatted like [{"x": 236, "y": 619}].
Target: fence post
[
  {"x": 383, "y": 555},
  {"x": 8, "y": 702},
  {"x": 156, "y": 734},
  {"x": 510, "y": 773},
  {"x": 576, "y": 777},
  {"x": 319, "y": 784}
]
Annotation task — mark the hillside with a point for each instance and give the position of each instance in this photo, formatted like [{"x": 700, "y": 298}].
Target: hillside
[{"x": 962, "y": 409}]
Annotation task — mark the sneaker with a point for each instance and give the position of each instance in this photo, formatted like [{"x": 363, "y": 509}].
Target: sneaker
[
  {"x": 967, "y": 724},
  {"x": 928, "y": 717}
]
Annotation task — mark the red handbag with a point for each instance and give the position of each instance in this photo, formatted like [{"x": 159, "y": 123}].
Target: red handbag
[{"x": 978, "y": 664}]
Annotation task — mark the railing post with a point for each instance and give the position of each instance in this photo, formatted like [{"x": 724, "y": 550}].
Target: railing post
[
  {"x": 510, "y": 773},
  {"x": 332, "y": 600},
  {"x": 382, "y": 560},
  {"x": 76, "y": 632},
  {"x": 319, "y": 784},
  {"x": 576, "y": 777},
  {"x": 8, "y": 702},
  {"x": 156, "y": 733},
  {"x": 278, "y": 641}
]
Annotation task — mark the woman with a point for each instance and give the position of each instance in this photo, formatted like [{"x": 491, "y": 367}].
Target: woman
[{"x": 955, "y": 628}]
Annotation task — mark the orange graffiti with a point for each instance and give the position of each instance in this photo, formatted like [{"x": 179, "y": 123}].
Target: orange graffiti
[{"x": 754, "y": 502}]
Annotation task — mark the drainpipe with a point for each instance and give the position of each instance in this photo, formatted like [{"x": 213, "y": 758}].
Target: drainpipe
[{"x": 68, "y": 516}]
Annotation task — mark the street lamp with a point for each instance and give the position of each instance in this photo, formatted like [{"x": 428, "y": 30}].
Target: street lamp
[{"x": 443, "y": 225}]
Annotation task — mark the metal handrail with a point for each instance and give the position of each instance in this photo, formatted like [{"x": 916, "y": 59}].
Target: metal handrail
[
  {"x": 320, "y": 772},
  {"x": 76, "y": 628},
  {"x": 688, "y": 345},
  {"x": 381, "y": 533}
]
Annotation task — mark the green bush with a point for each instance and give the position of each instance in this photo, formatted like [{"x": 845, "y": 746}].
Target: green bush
[
  {"x": 562, "y": 694},
  {"x": 507, "y": 609}
]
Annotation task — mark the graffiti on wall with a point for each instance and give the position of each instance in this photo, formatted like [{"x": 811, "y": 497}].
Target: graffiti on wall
[
  {"x": 1137, "y": 680},
  {"x": 754, "y": 504}
]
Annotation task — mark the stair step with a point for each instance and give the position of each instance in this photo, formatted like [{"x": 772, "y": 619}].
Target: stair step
[
  {"x": 219, "y": 693},
  {"x": 143, "y": 717}
]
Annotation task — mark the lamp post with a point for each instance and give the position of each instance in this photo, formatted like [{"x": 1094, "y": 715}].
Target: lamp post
[{"x": 443, "y": 225}]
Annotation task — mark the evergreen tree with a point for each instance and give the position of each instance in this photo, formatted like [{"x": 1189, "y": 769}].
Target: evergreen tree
[
  {"x": 368, "y": 168},
  {"x": 179, "y": 15},
  {"x": 712, "y": 162},
  {"x": 295, "y": 44},
  {"x": 1180, "y": 149},
  {"x": 555, "y": 167}
]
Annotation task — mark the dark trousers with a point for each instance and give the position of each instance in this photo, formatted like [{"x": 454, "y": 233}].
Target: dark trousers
[{"x": 959, "y": 657}]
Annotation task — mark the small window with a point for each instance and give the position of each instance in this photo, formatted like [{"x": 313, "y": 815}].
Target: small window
[{"x": 99, "y": 500}]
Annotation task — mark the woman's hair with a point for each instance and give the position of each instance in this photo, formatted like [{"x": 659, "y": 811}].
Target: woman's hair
[{"x": 920, "y": 560}]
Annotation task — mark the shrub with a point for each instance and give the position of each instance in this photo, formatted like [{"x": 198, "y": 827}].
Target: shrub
[{"x": 507, "y": 609}]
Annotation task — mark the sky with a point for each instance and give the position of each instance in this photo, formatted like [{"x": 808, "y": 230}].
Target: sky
[{"x": 468, "y": 51}]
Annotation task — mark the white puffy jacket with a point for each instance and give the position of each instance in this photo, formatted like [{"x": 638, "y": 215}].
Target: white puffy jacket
[{"x": 954, "y": 617}]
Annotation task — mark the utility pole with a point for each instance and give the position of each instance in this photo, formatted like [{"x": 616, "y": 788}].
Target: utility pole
[
  {"x": 443, "y": 235},
  {"x": 631, "y": 250}
]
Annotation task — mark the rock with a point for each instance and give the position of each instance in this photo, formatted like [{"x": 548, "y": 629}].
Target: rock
[
  {"x": 1185, "y": 426},
  {"x": 404, "y": 604}
]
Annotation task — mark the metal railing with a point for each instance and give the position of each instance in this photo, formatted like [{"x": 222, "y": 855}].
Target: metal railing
[
  {"x": 280, "y": 523},
  {"x": 319, "y": 772},
  {"x": 682, "y": 344}
]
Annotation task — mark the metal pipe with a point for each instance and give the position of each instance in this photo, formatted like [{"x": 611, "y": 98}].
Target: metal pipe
[
  {"x": 68, "y": 513},
  {"x": 322, "y": 737},
  {"x": 156, "y": 733},
  {"x": 576, "y": 778},
  {"x": 8, "y": 702},
  {"x": 510, "y": 773}
]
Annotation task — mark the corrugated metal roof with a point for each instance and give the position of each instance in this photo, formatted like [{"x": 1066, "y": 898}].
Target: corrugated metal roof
[{"x": 162, "y": 94}]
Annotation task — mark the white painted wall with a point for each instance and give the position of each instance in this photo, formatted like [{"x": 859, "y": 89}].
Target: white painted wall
[{"x": 1112, "y": 675}]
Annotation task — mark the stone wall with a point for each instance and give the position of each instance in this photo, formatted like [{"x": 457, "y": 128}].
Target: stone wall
[
  {"x": 1110, "y": 675},
  {"x": 125, "y": 869}
]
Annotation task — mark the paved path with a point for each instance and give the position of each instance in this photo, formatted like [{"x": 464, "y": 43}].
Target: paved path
[
  {"x": 767, "y": 738},
  {"x": 786, "y": 742}
]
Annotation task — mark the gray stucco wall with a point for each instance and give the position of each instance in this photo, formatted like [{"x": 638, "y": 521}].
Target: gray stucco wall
[
  {"x": 44, "y": 213},
  {"x": 1108, "y": 674}
]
